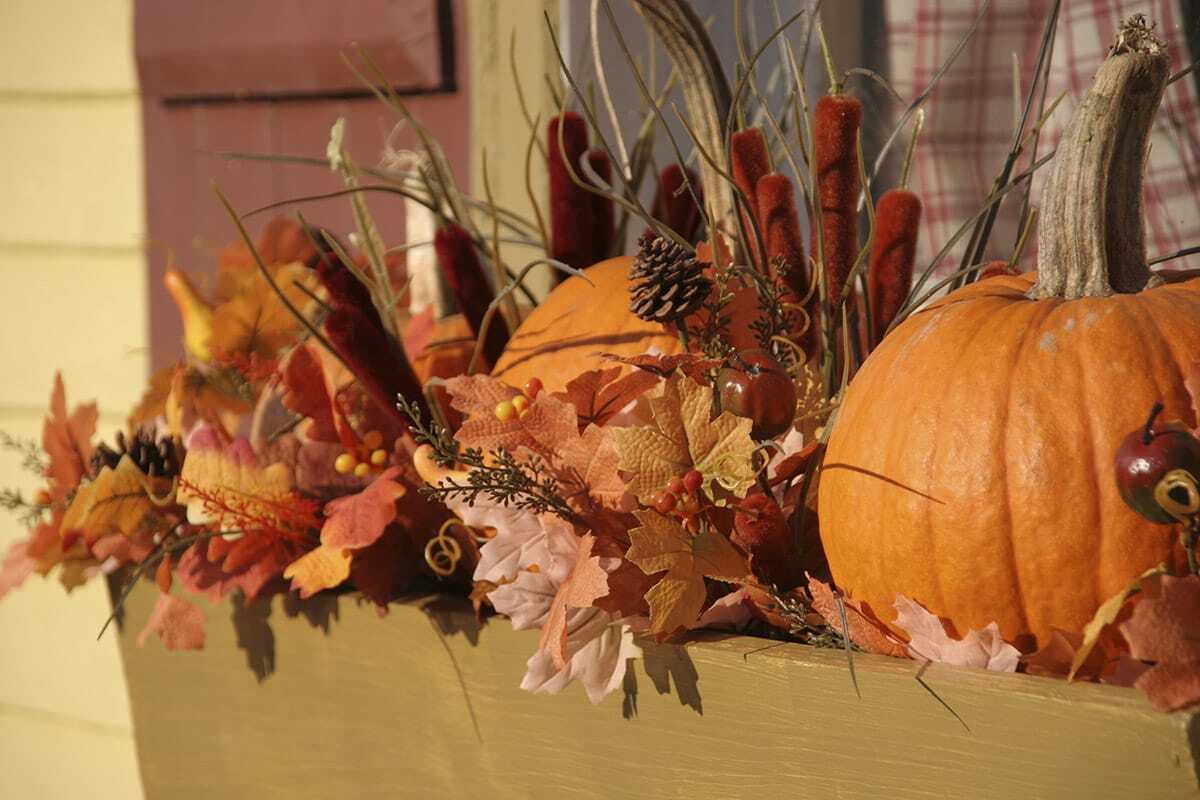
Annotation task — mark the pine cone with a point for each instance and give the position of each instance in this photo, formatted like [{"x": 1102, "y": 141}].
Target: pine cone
[
  {"x": 669, "y": 283},
  {"x": 157, "y": 459}
]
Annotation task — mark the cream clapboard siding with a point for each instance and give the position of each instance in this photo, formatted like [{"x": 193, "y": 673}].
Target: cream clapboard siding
[{"x": 72, "y": 266}]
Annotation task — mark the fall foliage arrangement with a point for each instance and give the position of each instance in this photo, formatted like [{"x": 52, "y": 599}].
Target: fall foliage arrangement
[{"x": 738, "y": 425}]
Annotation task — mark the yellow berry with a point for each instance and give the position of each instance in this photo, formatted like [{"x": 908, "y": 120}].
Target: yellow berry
[
  {"x": 361, "y": 469},
  {"x": 372, "y": 440},
  {"x": 42, "y": 498},
  {"x": 379, "y": 457},
  {"x": 344, "y": 463},
  {"x": 520, "y": 403},
  {"x": 505, "y": 411}
]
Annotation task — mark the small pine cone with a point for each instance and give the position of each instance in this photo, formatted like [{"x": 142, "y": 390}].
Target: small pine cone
[
  {"x": 669, "y": 283},
  {"x": 157, "y": 459}
]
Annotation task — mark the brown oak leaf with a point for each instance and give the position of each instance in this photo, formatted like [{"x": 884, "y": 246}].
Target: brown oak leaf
[
  {"x": 1164, "y": 630},
  {"x": 660, "y": 544},
  {"x": 254, "y": 320},
  {"x": 116, "y": 502},
  {"x": 690, "y": 364},
  {"x": 685, "y": 436},
  {"x": 1106, "y": 615}
]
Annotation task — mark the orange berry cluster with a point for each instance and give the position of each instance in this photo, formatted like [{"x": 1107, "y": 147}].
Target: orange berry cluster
[
  {"x": 368, "y": 457},
  {"x": 683, "y": 498},
  {"x": 518, "y": 406}
]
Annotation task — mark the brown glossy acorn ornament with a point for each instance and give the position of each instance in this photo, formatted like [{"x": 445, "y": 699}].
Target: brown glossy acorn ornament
[
  {"x": 753, "y": 384},
  {"x": 1157, "y": 468}
]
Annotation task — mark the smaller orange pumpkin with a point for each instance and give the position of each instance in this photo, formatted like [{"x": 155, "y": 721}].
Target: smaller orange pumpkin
[{"x": 578, "y": 322}]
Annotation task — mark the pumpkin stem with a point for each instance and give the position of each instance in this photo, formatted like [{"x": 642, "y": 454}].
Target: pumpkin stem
[
  {"x": 1090, "y": 237},
  {"x": 1148, "y": 429}
]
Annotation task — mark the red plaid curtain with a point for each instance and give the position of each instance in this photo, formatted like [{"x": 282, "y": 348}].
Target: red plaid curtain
[{"x": 970, "y": 117}]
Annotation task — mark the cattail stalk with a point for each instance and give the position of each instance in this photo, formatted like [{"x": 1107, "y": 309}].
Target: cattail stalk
[
  {"x": 784, "y": 241},
  {"x": 571, "y": 206},
  {"x": 674, "y": 204},
  {"x": 464, "y": 274},
  {"x": 893, "y": 252},
  {"x": 837, "y": 120},
  {"x": 749, "y": 161}
]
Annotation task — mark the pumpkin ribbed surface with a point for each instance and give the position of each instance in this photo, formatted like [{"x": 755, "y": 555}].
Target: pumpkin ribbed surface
[
  {"x": 578, "y": 321},
  {"x": 995, "y": 499}
]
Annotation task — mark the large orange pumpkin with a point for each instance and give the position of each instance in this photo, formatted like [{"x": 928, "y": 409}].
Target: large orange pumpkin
[
  {"x": 970, "y": 466},
  {"x": 578, "y": 321}
]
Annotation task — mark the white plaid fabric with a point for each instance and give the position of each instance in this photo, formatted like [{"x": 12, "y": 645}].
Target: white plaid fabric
[{"x": 970, "y": 116}]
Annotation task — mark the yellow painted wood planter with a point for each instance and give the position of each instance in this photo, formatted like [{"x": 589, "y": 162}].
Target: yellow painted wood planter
[{"x": 425, "y": 704}]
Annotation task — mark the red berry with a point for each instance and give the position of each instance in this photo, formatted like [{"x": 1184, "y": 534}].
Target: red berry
[
  {"x": 675, "y": 486},
  {"x": 756, "y": 386},
  {"x": 665, "y": 503},
  {"x": 532, "y": 387},
  {"x": 690, "y": 504},
  {"x": 693, "y": 480}
]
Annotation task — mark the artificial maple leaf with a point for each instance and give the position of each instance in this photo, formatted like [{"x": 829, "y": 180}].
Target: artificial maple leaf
[
  {"x": 321, "y": 568},
  {"x": 1056, "y": 657},
  {"x": 385, "y": 566},
  {"x": 796, "y": 464},
  {"x": 591, "y": 461},
  {"x": 154, "y": 400},
  {"x": 254, "y": 320},
  {"x": 67, "y": 440},
  {"x": 690, "y": 364},
  {"x": 660, "y": 544},
  {"x": 308, "y": 392},
  {"x": 685, "y": 437},
  {"x": 598, "y": 395},
  {"x": 599, "y": 648},
  {"x": 1164, "y": 630},
  {"x": 116, "y": 502},
  {"x": 544, "y": 428},
  {"x": 1106, "y": 615},
  {"x": 178, "y": 623},
  {"x": 16, "y": 567},
  {"x": 193, "y": 400},
  {"x": 865, "y": 629},
  {"x": 928, "y": 640},
  {"x": 358, "y": 520},
  {"x": 586, "y": 582}
]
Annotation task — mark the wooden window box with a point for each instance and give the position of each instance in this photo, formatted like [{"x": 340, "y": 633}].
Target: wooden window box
[{"x": 425, "y": 704}]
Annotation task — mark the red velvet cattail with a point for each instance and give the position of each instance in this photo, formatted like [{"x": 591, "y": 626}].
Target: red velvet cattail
[
  {"x": 464, "y": 274},
  {"x": 835, "y": 152},
  {"x": 893, "y": 250},
  {"x": 749, "y": 160},
  {"x": 373, "y": 358},
  {"x": 344, "y": 289},
  {"x": 571, "y": 207},
  {"x": 674, "y": 205},
  {"x": 602, "y": 212},
  {"x": 785, "y": 247}
]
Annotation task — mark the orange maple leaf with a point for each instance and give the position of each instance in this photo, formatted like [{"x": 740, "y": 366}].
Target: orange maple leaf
[
  {"x": 67, "y": 440},
  {"x": 254, "y": 320},
  {"x": 661, "y": 544},
  {"x": 585, "y": 583},
  {"x": 1164, "y": 630},
  {"x": 178, "y": 623},
  {"x": 544, "y": 428},
  {"x": 599, "y": 394},
  {"x": 358, "y": 520},
  {"x": 864, "y": 628}
]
